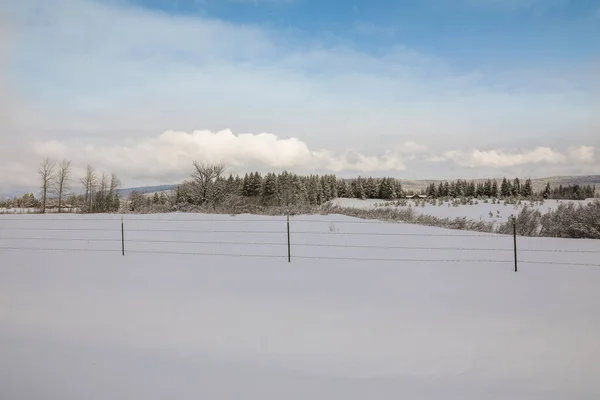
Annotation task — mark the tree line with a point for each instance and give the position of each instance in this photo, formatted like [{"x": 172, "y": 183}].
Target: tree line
[
  {"x": 209, "y": 187},
  {"x": 99, "y": 190}
]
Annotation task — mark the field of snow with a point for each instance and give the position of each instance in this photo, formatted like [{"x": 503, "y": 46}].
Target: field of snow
[
  {"x": 407, "y": 315},
  {"x": 477, "y": 212}
]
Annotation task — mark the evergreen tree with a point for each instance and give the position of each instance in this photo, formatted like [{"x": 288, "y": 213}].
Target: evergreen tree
[
  {"x": 527, "y": 189},
  {"x": 398, "y": 191},
  {"x": 516, "y": 187},
  {"x": 547, "y": 191},
  {"x": 342, "y": 188},
  {"x": 269, "y": 191},
  {"x": 487, "y": 189},
  {"x": 371, "y": 189},
  {"x": 494, "y": 189},
  {"x": 431, "y": 191},
  {"x": 441, "y": 192},
  {"x": 358, "y": 188},
  {"x": 326, "y": 189},
  {"x": 471, "y": 189},
  {"x": 313, "y": 190},
  {"x": 300, "y": 191},
  {"x": 246, "y": 184},
  {"x": 505, "y": 188},
  {"x": 480, "y": 190},
  {"x": 239, "y": 184},
  {"x": 256, "y": 185}
]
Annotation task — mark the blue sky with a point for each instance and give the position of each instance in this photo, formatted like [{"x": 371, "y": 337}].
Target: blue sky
[
  {"x": 469, "y": 33},
  {"x": 414, "y": 89}
]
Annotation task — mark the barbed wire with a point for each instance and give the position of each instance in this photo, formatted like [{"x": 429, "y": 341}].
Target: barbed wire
[
  {"x": 373, "y": 259},
  {"x": 317, "y": 245},
  {"x": 62, "y": 249},
  {"x": 64, "y": 239},
  {"x": 559, "y": 263},
  {"x": 62, "y": 229}
]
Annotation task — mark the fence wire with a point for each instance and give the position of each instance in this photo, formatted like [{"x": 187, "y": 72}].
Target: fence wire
[{"x": 301, "y": 233}]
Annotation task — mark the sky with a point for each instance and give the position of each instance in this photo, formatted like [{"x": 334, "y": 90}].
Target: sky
[{"x": 423, "y": 89}]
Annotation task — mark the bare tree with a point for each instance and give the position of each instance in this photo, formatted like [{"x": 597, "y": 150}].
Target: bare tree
[
  {"x": 61, "y": 182},
  {"x": 46, "y": 173},
  {"x": 204, "y": 178},
  {"x": 101, "y": 197},
  {"x": 89, "y": 183},
  {"x": 113, "y": 199}
]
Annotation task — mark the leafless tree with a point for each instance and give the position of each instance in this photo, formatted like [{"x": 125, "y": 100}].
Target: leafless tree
[
  {"x": 203, "y": 182},
  {"x": 61, "y": 182},
  {"x": 89, "y": 183},
  {"x": 113, "y": 200},
  {"x": 46, "y": 173}
]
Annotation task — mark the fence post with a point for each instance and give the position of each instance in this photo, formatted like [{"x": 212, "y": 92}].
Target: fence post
[
  {"x": 515, "y": 240},
  {"x": 122, "y": 236},
  {"x": 288, "y": 239}
]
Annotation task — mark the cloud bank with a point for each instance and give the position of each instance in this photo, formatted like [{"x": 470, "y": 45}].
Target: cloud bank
[
  {"x": 172, "y": 152},
  {"x": 502, "y": 158}
]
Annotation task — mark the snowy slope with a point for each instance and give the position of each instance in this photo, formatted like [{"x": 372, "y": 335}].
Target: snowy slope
[
  {"x": 477, "y": 212},
  {"x": 96, "y": 325}
]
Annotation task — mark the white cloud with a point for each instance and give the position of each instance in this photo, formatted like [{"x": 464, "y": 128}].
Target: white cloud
[
  {"x": 170, "y": 154},
  {"x": 582, "y": 154},
  {"x": 501, "y": 158}
]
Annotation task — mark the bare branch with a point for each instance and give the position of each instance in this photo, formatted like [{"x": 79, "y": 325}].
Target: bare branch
[{"x": 46, "y": 173}]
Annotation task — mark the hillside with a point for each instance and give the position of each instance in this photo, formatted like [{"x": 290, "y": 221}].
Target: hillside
[{"x": 538, "y": 184}]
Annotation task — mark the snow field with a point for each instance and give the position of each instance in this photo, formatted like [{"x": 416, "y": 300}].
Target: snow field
[
  {"x": 97, "y": 325},
  {"x": 500, "y": 212}
]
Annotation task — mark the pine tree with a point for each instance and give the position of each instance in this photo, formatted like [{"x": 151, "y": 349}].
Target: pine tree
[
  {"x": 527, "y": 189},
  {"x": 358, "y": 188},
  {"x": 256, "y": 185},
  {"x": 371, "y": 189},
  {"x": 547, "y": 191},
  {"x": 246, "y": 184},
  {"x": 431, "y": 191},
  {"x": 269, "y": 191},
  {"x": 516, "y": 187},
  {"x": 325, "y": 189},
  {"x": 398, "y": 191},
  {"x": 446, "y": 189},
  {"x": 441, "y": 190},
  {"x": 387, "y": 189},
  {"x": 505, "y": 188},
  {"x": 487, "y": 188},
  {"x": 342, "y": 188},
  {"x": 494, "y": 189}
]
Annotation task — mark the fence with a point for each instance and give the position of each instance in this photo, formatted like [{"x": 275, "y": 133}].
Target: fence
[{"x": 308, "y": 238}]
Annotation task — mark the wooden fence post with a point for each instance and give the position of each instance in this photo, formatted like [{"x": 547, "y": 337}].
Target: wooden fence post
[
  {"x": 122, "y": 236},
  {"x": 515, "y": 240}
]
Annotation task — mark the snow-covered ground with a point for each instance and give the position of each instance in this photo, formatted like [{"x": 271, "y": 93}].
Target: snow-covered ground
[
  {"x": 85, "y": 324},
  {"x": 479, "y": 211}
]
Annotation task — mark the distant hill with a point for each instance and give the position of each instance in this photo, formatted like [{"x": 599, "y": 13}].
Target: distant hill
[
  {"x": 144, "y": 189},
  {"x": 538, "y": 184}
]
